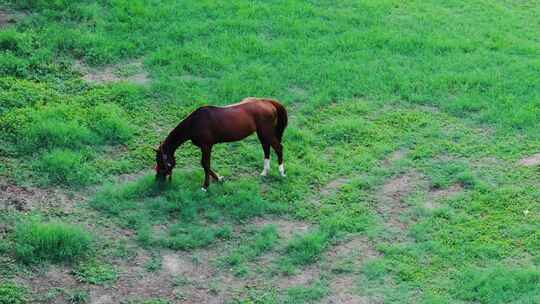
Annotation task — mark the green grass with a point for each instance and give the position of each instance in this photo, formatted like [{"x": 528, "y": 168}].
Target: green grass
[
  {"x": 253, "y": 246},
  {"x": 11, "y": 293},
  {"x": 453, "y": 85},
  {"x": 304, "y": 250},
  {"x": 499, "y": 285},
  {"x": 95, "y": 273},
  {"x": 65, "y": 167},
  {"x": 37, "y": 241},
  {"x": 309, "y": 294},
  {"x": 192, "y": 219},
  {"x": 76, "y": 296}
]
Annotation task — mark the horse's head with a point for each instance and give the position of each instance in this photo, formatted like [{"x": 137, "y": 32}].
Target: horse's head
[{"x": 165, "y": 163}]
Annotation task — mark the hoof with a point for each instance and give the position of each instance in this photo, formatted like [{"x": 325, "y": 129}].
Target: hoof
[
  {"x": 264, "y": 174},
  {"x": 283, "y": 175}
]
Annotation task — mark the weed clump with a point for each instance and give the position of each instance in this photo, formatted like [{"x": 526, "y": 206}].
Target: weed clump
[
  {"x": 37, "y": 241},
  {"x": 95, "y": 273},
  {"x": 64, "y": 167},
  {"x": 11, "y": 293},
  {"x": 308, "y": 294}
]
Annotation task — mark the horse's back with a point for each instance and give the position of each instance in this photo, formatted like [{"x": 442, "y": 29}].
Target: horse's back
[{"x": 235, "y": 121}]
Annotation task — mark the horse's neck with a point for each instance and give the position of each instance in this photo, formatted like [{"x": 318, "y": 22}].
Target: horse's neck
[{"x": 177, "y": 137}]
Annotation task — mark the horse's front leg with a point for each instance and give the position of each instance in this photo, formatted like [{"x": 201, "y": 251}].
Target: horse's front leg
[{"x": 205, "y": 162}]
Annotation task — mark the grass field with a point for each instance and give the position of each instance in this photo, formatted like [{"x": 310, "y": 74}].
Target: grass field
[{"x": 412, "y": 152}]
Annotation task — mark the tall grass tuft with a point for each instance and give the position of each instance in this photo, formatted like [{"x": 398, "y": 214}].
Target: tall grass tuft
[
  {"x": 37, "y": 241},
  {"x": 64, "y": 167}
]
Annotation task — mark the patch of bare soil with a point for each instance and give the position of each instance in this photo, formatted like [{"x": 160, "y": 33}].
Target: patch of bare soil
[
  {"x": 531, "y": 161},
  {"x": 342, "y": 286},
  {"x": 360, "y": 248},
  {"x": 133, "y": 282},
  {"x": 286, "y": 228},
  {"x": 113, "y": 73},
  {"x": 5, "y": 18},
  {"x": 55, "y": 278},
  {"x": 340, "y": 293},
  {"x": 394, "y": 157},
  {"x": 129, "y": 177},
  {"x": 333, "y": 186},
  {"x": 185, "y": 277},
  {"x": 8, "y": 17},
  {"x": 29, "y": 198},
  {"x": 433, "y": 196},
  {"x": 298, "y": 92},
  {"x": 391, "y": 198},
  {"x": 304, "y": 276},
  {"x": 202, "y": 281}
]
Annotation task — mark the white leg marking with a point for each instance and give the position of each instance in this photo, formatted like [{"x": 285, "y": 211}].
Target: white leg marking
[
  {"x": 282, "y": 170},
  {"x": 219, "y": 178},
  {"x": 203, "y": 189},
  {"x": 266, "y": 167}
]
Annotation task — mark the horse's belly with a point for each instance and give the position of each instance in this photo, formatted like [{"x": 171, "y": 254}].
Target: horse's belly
[
  {"x": 234, "y": 124},
  {"x": 235, "y": 134}
]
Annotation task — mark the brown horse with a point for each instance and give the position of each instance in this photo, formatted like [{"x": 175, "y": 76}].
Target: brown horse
[{"x": 210, "y": 125}]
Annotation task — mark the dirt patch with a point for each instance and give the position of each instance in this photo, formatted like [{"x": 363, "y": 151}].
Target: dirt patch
[
  {"x": 129, "y": 177},
  {"x": 29, "y": 198},
  {"x": 341, "y": 293},
  {"x": 304, "y": 277},
  {"x": 333, "y": 186},
  {"x": 8, "y": 17},
  {"x": 531, "y": 161},
  {"x": 5, "y": 18},
  {"x": 54, "y": 278},
  {"x": 201, "y": 281},
  {"x": 437, "y": 194},
  {"x": 134, "y": 282},
  {"x": 104, "y": 299},
  {"x": 131, "y": 72},
  {"x": 342, "y": 286},
  {"x": 394, "y": 157},
  {"x": 298, "y": 92},
  {"x": 179, "y": 264},
  {"x": 391, "y": 199},
  {"x": 286, "y": 228},
  {"x": 358, "y": 247}
]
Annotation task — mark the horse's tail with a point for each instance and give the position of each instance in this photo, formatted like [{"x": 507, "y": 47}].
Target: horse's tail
[{"x": 282, "y": 119}]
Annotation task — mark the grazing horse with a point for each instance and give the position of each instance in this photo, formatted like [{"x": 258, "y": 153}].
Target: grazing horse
[{"x": 210, "y": 125}]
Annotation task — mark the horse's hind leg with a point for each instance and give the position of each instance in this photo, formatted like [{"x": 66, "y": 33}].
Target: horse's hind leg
[
  {"x": 215, "y": 175},
  {"x": 278, "y": 147},
  {"x": 266, "y": 149},
  {"x": 265, "y": 138}
]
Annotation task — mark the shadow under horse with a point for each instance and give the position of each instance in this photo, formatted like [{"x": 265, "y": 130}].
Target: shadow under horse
[{"x": 209, "y": 125}]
